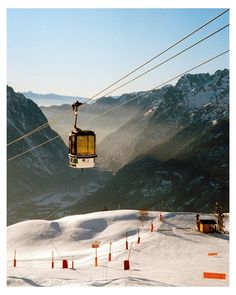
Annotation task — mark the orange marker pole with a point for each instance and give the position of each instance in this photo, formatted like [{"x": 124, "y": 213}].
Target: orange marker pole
[
  {"x": 151, "y": 229},
  {"x": 14, "y": 262},
  {"x": 96, "y": 257},
  {"x": 126, "y": 242},
  {"x": 72, "y": 263},
  {"x": 161, "y": 217},
  {"x": 138, "y": 242},
  {"x": 109, "y": 256},
  {"x": 52, "y": 259}
]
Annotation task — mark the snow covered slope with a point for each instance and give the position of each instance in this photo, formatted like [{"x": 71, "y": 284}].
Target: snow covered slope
[{"x": 174, "y": 254}]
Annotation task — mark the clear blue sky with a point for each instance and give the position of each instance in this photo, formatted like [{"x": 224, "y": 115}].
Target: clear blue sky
[{"x": 80, "y": 51}]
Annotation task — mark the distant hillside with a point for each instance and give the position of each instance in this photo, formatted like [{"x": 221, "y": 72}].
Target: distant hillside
[{"x": 49, "y": 99}]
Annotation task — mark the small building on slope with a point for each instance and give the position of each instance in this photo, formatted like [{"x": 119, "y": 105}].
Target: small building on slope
[{"x": 208, "y": 225}]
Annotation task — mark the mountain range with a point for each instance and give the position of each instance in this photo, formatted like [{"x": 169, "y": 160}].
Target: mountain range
[
  {"x": 167, "y": 149},
  {"x": 49, "y": 99}
]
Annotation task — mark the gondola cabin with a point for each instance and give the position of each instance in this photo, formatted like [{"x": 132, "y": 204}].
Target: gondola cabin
[
  {"x": 82, "y": 145},
  {"x": 82, "y": 149}
]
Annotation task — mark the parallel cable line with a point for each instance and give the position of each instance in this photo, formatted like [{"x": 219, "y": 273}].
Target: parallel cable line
[
  {"x": 160, "y": 85},
  {"x": 40, "y": 127},
  {"x": 172, "y": 57},
  {"x": 118, "y": 106},
  {"x": 162, "y": 52},
  {"x": 122, "y": 78}
]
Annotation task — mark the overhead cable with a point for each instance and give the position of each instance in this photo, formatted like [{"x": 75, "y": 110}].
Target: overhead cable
[
  {"x": 122, "y": 78},
  {"x": 118, "y": 106}
]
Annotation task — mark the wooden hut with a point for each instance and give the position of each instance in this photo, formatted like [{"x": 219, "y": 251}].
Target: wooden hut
[{"x": 208, "y": 225}]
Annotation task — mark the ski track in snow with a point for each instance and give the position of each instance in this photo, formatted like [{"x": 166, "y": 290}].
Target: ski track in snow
[{"x": 174, "y": 254}]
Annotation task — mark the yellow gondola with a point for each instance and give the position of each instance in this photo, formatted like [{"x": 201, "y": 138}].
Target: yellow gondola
[{"x": 82, "y": 145}]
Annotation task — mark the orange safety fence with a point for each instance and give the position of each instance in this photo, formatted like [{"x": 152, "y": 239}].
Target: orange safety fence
[
  {"x": 213, "y": 254},
  {"x": 214, "y": 275}
]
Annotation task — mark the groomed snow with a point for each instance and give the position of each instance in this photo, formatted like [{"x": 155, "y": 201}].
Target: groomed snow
[{"x": 174, "y": 254}]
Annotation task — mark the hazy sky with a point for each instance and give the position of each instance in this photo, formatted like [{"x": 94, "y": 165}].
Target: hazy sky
[{"x": 81, "y": 51}]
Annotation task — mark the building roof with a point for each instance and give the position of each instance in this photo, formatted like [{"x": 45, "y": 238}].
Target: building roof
[{"x": 208, "y": 221}]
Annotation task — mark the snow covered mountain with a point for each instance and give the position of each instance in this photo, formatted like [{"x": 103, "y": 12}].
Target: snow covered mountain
[
  {"x": 165, "y": 112},
  {"x": 169, "y": 146},
  {"x": 177, "y": 152},
  {"x": 151, "y": 119},
  {"x": 173, "y": 254}
]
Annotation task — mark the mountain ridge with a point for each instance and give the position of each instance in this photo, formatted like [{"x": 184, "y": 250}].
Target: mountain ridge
[
  {"x": 40, "y": 182},
  {"x": 185, "y": 164},
  {"x": 170, "y": 145}
]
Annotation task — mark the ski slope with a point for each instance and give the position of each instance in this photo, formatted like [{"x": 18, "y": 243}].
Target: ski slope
[{"x": 174, "y": 254}]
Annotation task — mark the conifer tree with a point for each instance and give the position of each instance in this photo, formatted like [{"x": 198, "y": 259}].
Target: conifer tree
[{"x": 220, "y": 216}]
